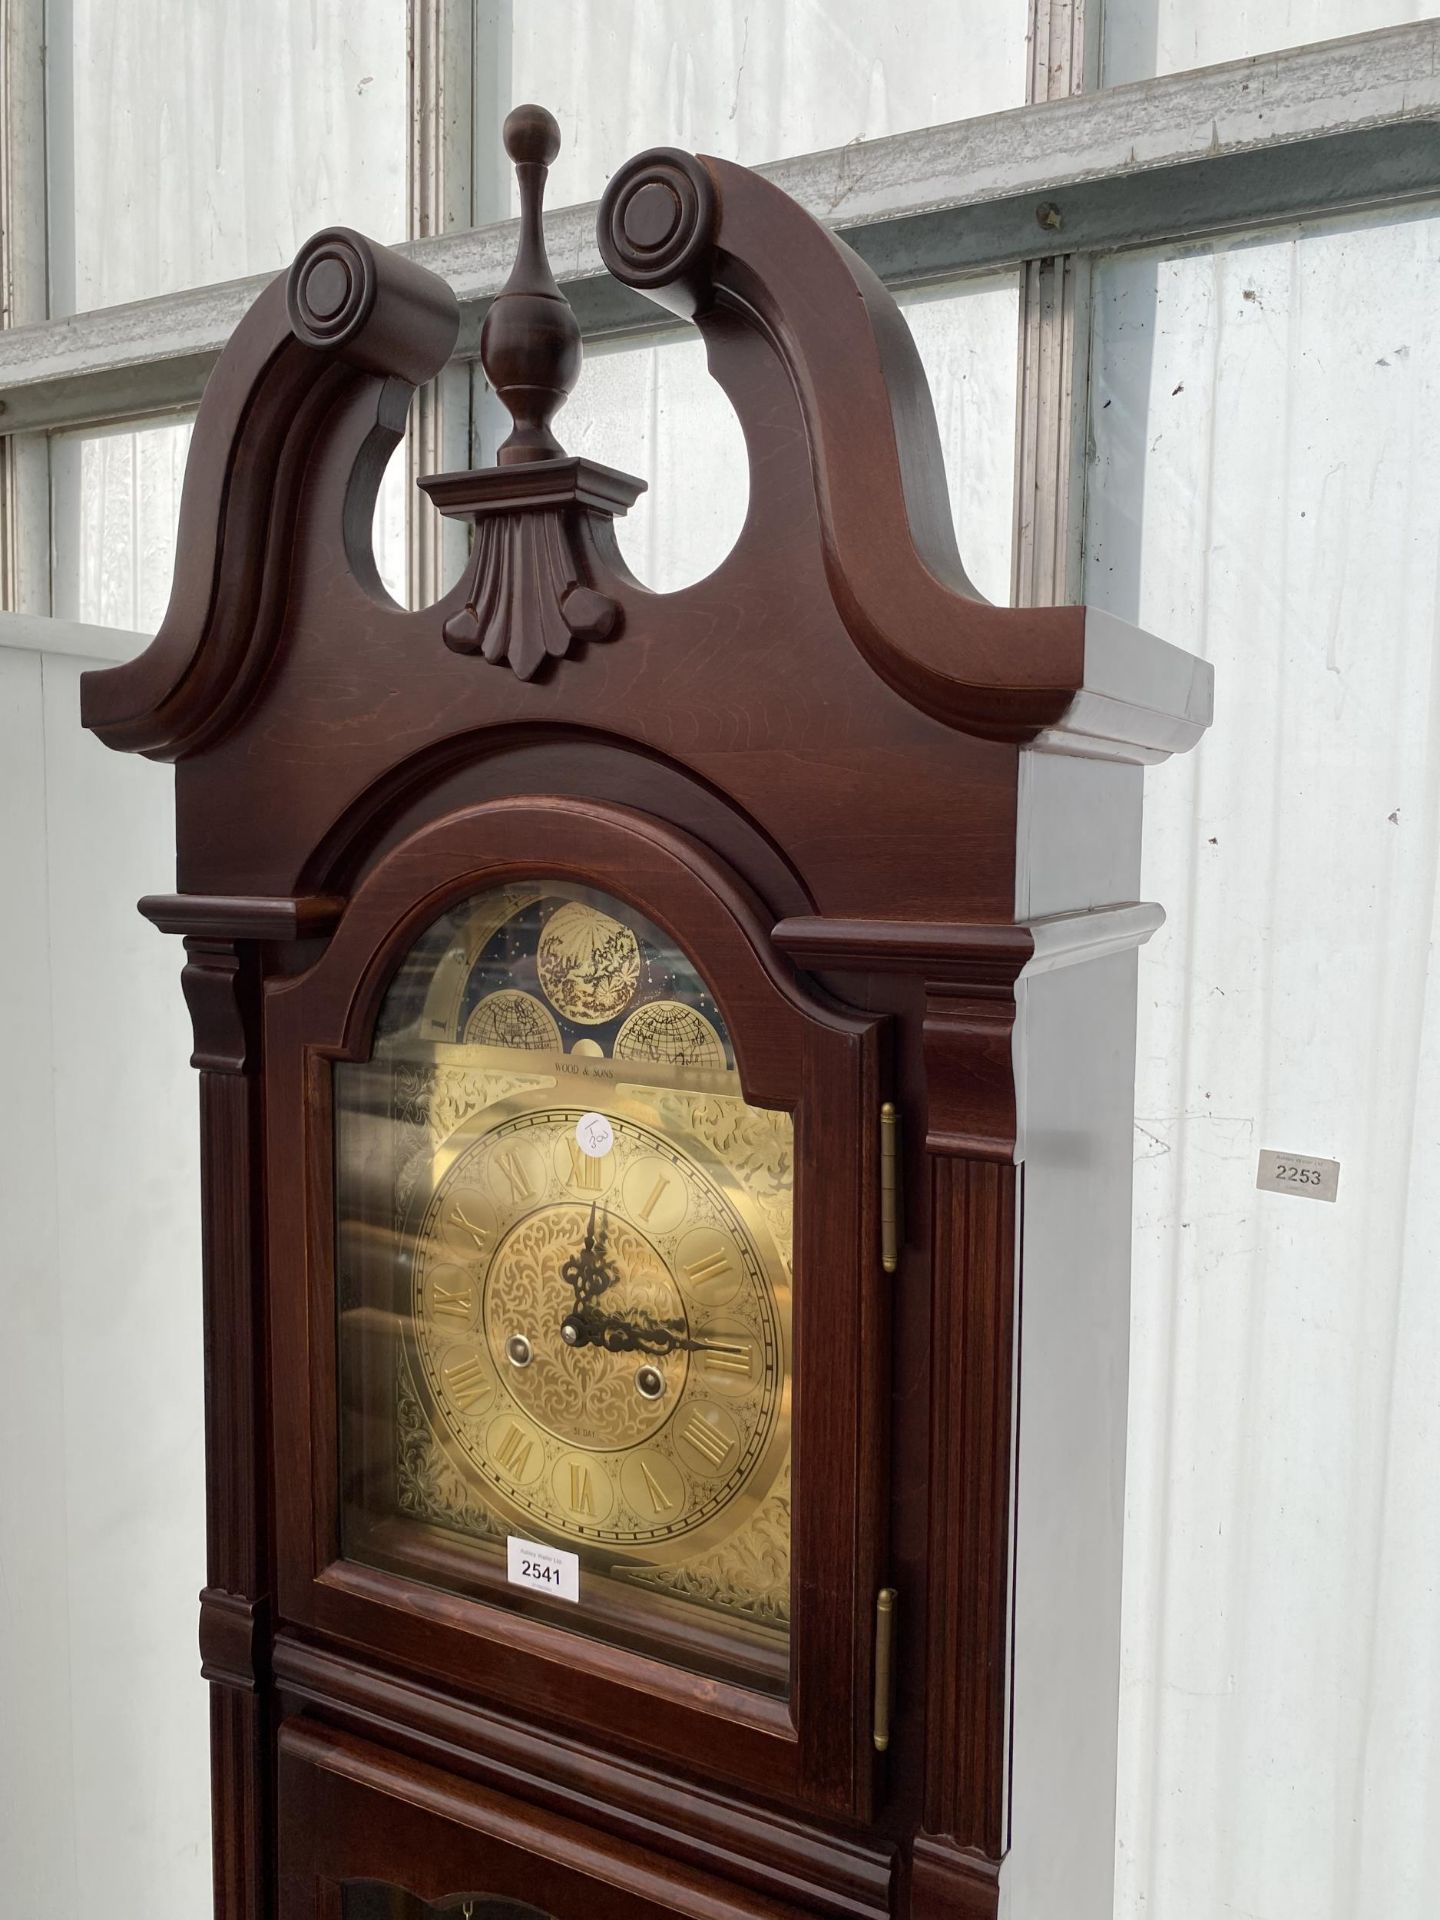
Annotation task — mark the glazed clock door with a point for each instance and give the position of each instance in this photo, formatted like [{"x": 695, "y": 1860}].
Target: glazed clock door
[
  {"x": 564, "y": 1264},
  {"x": 587, "y": 1358}
]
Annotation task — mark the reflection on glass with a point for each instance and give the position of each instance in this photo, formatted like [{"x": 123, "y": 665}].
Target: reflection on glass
[{"x": 564, "y": 1265}]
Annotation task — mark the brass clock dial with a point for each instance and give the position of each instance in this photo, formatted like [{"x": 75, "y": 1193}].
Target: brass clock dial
[{"x": 602, "y": 1337}]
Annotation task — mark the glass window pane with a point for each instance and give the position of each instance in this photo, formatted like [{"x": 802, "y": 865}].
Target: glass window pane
[
  {"x": 648, "y": 407},
  {"x": 967, "y": 333},
  {"x": 652, "y": 409},
  {"x": 1143, "y": 38},
  {"x": 747, "y": 83},
  {"x": 115, "y": 503},
  {"x": 189, "y": 144},
  {"x": 1264, "y": 490}
]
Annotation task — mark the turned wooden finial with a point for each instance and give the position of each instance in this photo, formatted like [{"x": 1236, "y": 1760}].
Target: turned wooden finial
[{"x": 530, "y": 343}]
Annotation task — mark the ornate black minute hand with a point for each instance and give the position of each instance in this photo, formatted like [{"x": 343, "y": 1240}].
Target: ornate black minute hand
[{"x": 637, "y": 1334}]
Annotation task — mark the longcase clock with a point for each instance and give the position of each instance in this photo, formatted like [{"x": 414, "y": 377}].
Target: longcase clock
[{"x": 666, "y": 1066}]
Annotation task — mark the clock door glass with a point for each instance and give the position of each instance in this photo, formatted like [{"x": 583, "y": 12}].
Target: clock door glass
[
  {"x": 369, "y": 1900},
  {"x": 564, "y": 1273}
]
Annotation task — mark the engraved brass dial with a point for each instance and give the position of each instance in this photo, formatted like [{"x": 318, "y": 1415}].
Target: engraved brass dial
[{"x": 602, "y": 1339}]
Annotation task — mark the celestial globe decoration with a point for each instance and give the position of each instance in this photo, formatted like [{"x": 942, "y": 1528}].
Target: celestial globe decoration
[
  {"x": 514, "y": 1019},
  {"x": 667, "y": 1033}
]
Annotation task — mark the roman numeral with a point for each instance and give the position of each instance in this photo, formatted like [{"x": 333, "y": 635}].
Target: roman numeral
[
  {"x": 660, "y": 1501},
  {"x": 514, "y": 1451},
  {"x": 455, "y": 1306},
  {"x": 704, "y": 1273},
  {"x": 467, "y": 1381},
  {"x": 728, "y": 1359},
  {"x": 513, "y": 1168},
  {"x": 482, "y": 1236},
  {"x": 584, "y": 1167},
  {"x": 580, "y": 1496},
  {"x": 656, "y": 1195},
  {"x": 713, "y": 1446}
]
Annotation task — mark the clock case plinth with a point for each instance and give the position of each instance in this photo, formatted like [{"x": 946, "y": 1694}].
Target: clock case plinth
[{"x": 898, "y": 829}]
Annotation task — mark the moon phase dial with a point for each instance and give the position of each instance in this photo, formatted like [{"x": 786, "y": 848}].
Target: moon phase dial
[{"x": 589, "y": 964}]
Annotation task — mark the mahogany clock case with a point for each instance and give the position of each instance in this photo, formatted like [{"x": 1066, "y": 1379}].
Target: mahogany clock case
[{"x": 814, "y": 770}]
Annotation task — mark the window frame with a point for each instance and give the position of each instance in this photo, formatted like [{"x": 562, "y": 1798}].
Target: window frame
[{"x": 1079, "y": 171}]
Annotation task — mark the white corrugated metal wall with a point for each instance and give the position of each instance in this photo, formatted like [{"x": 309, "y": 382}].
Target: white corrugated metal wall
[
  {"x": 1260, "y": 489},
  {"x": 104, "y": 1728},
  {"x": 1264, "y": 489}
]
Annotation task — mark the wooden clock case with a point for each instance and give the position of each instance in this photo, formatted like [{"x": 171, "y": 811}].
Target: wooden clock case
[{"x": 897, "y": 828}]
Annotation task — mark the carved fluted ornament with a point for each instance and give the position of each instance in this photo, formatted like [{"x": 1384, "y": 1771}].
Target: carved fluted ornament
[{"x": 525, "y": 603}]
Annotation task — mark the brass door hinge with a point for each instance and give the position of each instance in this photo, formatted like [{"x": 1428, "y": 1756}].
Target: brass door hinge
[
  {"x": 890, "y": 1222},
  {"x": 884, "y": 1664}
]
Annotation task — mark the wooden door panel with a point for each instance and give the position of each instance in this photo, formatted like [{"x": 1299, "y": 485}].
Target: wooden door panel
[{"x": 354, "y": 1815}]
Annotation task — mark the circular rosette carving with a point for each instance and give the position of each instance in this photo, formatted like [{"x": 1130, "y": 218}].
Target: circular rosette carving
[
  {"x": 584, "y": 1396},
  {"x": 330, "y": 289},
  {"x": 657, "y": 224}
]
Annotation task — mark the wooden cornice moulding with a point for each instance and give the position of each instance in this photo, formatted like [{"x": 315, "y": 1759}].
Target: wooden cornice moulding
[
  {"x": 217, "y": 916},
  {"x": 987, "y": 959},
  {"x": 348, "y": 314},
  {"x": 1090, "y": 933},
  {"x": 709, "y": 239},
  {"x": 975, "y": 978},
  {"x": 786, "y": 1857},
  {"x": 220, "y": 979}
]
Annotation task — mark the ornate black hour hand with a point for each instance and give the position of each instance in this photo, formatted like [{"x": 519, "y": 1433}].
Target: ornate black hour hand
[{"x": 589, "y": 1272}]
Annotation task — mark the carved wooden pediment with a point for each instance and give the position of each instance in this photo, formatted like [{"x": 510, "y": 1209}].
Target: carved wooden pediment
[{"x": 845, "y": 463}]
